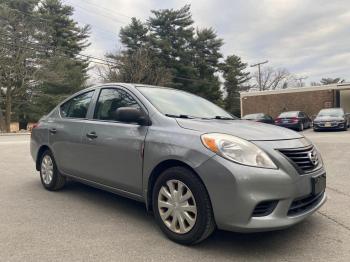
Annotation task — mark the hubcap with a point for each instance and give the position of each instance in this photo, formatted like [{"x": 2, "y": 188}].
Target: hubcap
[
  {"x": 177, "y": 206},
  {"x": 47, "y": 169}
]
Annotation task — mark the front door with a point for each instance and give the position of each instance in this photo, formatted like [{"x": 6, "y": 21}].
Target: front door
[{"x": 113, "y": 150}]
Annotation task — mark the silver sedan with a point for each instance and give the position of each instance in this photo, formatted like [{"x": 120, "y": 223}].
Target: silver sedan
[{"x": 194, "y": 165}]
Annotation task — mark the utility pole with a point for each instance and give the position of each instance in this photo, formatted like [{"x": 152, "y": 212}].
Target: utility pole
[
  {"x": 300, "y": 79},
  {"x": 259, "y": 71}
]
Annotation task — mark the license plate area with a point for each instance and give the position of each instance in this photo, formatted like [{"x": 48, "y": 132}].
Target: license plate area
[
  {"x": 328, "y": 124},
  {"x": 318, "y": 184}
]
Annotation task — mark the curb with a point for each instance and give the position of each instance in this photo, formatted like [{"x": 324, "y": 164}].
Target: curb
[{"x": 15, "y": 134}]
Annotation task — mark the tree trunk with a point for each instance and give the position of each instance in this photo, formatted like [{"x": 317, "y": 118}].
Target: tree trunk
[
  {"x": 2, "y": 122},
  {"x": 8, "y": 108}
]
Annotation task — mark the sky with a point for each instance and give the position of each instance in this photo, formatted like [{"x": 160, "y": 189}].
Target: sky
[{"x": 310, "y": 38}]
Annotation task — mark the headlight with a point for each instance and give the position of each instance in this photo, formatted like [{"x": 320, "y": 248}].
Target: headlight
[{"x": 237, "y": 150}]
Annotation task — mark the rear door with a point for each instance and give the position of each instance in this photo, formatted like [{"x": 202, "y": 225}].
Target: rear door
[
  {"x": 113, "y": 150},
  {"x": 65, "y": 133}
]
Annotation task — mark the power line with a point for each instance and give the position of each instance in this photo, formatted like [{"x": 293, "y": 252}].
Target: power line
[
  {"x": 64, "y": 50},
  {"x": 104, "y": 62},
  {"x": 45, "y": 52},
  {"x": 104, "y": 15},
  {"x": 48, "y": 20}
]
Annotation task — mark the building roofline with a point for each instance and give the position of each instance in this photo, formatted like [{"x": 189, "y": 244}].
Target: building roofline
[{"x": 341, "y": 86}]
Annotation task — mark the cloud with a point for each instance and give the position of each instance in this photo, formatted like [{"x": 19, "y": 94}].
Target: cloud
[{"x": 308, "y": 37}]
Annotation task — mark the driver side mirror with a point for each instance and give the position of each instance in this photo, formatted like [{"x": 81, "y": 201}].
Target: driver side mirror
[{"x": 132, "y": 115}]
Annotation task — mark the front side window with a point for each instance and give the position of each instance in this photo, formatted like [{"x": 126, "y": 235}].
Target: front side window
[
  {"x": 110, "y": 100},
  {"x": 78, "y": 106}
]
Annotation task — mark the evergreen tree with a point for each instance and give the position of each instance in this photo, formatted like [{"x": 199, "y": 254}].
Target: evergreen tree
[
  {"x": 134, "y": 36},
  {"x": 329, "y": 81},
  {"x": 235, "y": 79},
  {"x": 206, "y": 55},
  {"x": 62, "y": 71},
  {"x": 171, "y": 37}
]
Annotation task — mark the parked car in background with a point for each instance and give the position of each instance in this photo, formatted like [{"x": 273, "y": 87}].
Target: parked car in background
[
  {"x": 259, "y": 117},
  {"x": 297, "y": 120},
  {"x": 331, "y": 118},
  {"x": 193, "y": 164}
]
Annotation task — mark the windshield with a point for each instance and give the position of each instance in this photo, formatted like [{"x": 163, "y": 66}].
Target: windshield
[
  {"x": 289, "y": 114},
  {"x": 335, "y": 112},
  {"x": 176, "y": 103}
]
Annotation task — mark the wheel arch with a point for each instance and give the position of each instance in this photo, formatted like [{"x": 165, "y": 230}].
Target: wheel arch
[
  {"x": 41, "y": 150},
  {"x": 158, "y": 169}
]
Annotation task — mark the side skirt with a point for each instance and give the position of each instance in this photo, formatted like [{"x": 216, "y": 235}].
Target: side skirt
[{"x": 107, "y": 188}]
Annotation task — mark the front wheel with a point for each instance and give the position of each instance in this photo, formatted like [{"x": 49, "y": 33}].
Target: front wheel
[
  {"x": 51, "y": 179},
  {"x": 182, "y": 206}
]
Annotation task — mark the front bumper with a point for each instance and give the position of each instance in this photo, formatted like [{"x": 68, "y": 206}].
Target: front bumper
[
  {"x": 331, "y": 126},
  {"x": 236, "y": 190}
]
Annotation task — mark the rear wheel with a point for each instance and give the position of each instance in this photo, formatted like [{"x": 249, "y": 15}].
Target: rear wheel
[
  {"x": 301, "y": 127},
  {"x": 51, "y": 179},
  {"x": 182, "y": 206}
]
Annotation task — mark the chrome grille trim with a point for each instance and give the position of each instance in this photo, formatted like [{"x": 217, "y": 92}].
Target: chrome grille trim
[{"x": 300, "y": 158}]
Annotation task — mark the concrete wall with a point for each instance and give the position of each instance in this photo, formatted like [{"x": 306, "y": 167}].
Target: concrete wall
[
  {"x": 310, "y": 102},
  {"x": 345, "y": 100}
]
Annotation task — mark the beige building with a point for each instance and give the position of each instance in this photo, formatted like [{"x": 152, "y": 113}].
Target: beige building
[{"x": 308, "y": 99}]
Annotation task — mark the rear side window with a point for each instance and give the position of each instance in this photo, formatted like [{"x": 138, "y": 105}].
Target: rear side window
[
  {"x": 78, "y": 106},
  {"x": 110, "y": 100}
]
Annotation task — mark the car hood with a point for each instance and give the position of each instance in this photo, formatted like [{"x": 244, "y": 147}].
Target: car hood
[
  {"x": 249, "y": 130},
  {"x": 329, "y": 118}
]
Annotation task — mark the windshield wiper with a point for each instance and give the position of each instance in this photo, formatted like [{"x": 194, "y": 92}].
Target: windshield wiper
[
  {"x": 179, "y": 116},
  {"x": 192, "y": 117},
  {"x": 224, "y": 118}
]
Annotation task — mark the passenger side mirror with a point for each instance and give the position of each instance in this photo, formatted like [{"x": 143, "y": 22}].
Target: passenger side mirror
[{"x": 131, "y": 115}]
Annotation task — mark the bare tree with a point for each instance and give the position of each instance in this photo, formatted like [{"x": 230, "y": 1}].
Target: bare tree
[
  {"x": 272, "y": 78},
  {"x": 17, "y": 55},
  {"x": 138, "y": 67}
]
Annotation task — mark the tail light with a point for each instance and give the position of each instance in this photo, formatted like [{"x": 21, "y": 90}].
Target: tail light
[
  {"x": 294, "y": 119},
  {"x": 278, "y": 120}
]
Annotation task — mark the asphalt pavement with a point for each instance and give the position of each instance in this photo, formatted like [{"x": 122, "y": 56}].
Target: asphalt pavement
[{"x": 81, "y": 223}]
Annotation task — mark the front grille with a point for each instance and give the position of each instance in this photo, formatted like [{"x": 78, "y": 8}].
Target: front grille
[
  {"x": 302, "y": 205},
  {"x": 264, "y": 208},
  {"x": 305, "y": 159}
]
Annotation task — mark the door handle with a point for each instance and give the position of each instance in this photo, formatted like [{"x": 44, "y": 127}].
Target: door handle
[
  {"x": 53, "y": 131},
  {"x": 91, "y": 135}
]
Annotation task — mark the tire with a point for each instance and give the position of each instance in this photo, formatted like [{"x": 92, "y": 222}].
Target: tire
[
  {"x": 204, "y": 223},
  {"x": 57, "y": 181},
  {"x": 301, "y": 127}
]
